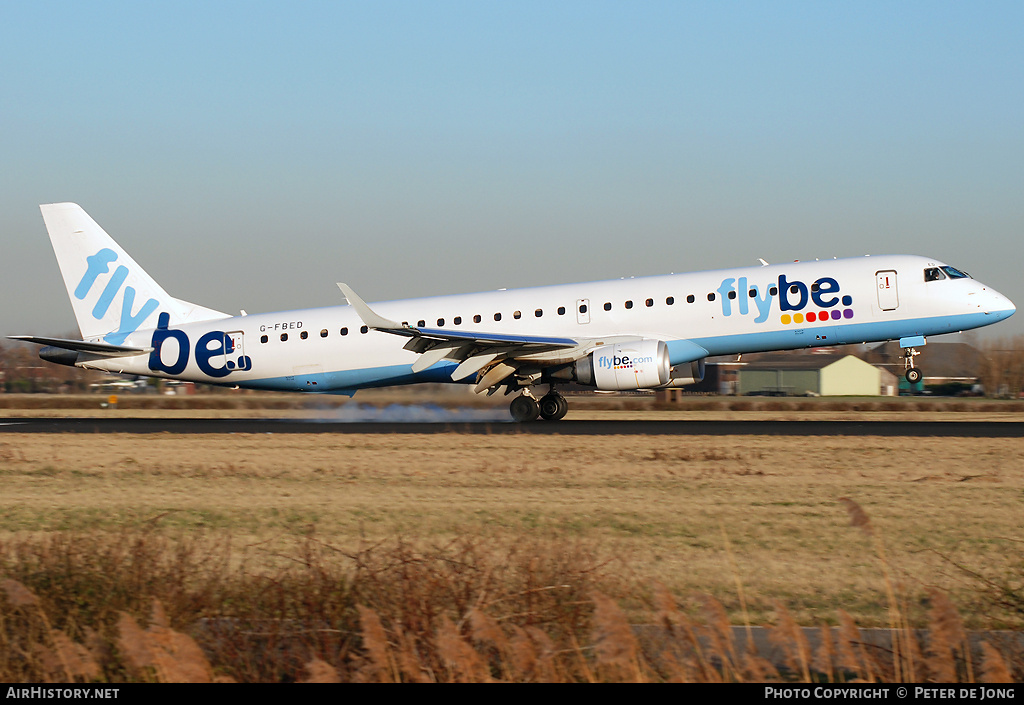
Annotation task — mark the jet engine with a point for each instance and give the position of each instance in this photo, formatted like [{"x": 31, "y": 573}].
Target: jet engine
[{"x": 624, "y": 366}]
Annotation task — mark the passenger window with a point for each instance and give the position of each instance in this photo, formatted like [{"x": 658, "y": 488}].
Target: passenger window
[
  {"x": 284, "y": 337},
  {"x": 774, "y": 291},
  {"x": 323, "y": 333},
  {"x": 561, "y": 310},
  {"x": 304, "y": 334},
  {"x": 538, "y": 313},
  {"x": 264, "y": 338},
  {"x": 650, "y": 302},
  {"x": 497, "y": 316},
  {"x": 344, "y": 331},
  {"x": 794, "y": 289},
  {"x": 732, "y": 294},
  {"x": 607, "y": 307},
  {"x": 583, "y": 308},
  {"x": 629, "y": 304},
  {"x": 517, "y": 315},
  {"x": 690, "y": 299},
  {"x": 711, "y": 297},
  {"x": 476, "y": 318},
  {"x": 440, "y": 322},
  {"x": 421, "y": 324},
  {"x": 752, "y": 293},
  {"x": 670, "y": 300},
  {"x": 458, "y": 320},
  {"x": 364, "y": 329}
]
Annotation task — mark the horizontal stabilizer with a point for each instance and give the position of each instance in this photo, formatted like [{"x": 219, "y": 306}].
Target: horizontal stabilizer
[{"x": 102, "y": 349}]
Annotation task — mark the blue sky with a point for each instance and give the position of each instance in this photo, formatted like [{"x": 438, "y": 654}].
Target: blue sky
[{"x": 249, "y": 155}]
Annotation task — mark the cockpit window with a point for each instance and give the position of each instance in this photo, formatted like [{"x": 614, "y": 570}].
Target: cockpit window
[
  {"x": 955, "y": 273},
  {"x": 933, "y": 274}
]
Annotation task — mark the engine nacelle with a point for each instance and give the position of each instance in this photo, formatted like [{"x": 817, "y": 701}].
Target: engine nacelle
[
  {"x": 686, "y": 374},
  {"x": 623, "y": 366}
]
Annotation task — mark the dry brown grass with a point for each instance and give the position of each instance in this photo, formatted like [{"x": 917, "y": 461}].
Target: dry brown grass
[
  {"x": 468, "y": 611},
  {"x": 661, "y": 502},
  {"x": 143, "y": 606}
]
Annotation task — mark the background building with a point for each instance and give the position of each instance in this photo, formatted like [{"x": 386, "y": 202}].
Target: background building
[
  {"x": 819, "y": 374},
  {"x": 949, "y": 368}
]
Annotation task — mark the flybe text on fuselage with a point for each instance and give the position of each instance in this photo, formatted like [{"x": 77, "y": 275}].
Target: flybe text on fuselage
[
  {"x": 211, "y": 348},
  {"x": 797, "y": 302}
]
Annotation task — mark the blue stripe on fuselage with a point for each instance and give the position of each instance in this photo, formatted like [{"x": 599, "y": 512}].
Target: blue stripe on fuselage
[{"x": 795, "y": 338}]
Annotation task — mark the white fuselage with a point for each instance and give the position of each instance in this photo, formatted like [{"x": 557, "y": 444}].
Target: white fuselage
[{"x": 777, "y": 307}]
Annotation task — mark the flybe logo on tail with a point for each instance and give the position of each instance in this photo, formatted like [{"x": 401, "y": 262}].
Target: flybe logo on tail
[
  {"x": 797, "y": 302},
  {"x": 98, "y": 264}
]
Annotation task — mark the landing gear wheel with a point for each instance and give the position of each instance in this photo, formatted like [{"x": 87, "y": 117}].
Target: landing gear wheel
[
  {"x": 524, "y": 409},
  {"x": 912, "y": 374},
  {"x": 553, "y": 407}
]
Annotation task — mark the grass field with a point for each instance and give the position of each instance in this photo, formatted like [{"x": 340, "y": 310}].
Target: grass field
[
  {"x": 662, "y": 506},
  {"x": 701, "y": 516}
]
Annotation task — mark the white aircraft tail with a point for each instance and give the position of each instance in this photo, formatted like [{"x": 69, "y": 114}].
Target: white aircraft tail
[{"x": 111, "y": 294}]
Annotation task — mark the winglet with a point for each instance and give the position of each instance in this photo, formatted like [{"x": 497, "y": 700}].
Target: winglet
[{"x": 371, "y": 319}]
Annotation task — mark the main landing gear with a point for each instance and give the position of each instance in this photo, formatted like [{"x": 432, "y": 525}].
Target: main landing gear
[{"x": 551, "y": 407}]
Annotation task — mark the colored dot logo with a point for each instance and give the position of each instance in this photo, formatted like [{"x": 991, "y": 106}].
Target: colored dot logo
[{"x": 817, "y": 316}]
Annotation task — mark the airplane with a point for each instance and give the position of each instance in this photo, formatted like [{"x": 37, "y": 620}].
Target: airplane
[{"x": 627, "y": 334}]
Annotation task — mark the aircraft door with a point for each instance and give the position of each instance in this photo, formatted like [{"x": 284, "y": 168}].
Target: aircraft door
[
  {"x": 885, "y": 284},
  {"x": 583, "y": 310},
  {"x": 234, "y": 352}
]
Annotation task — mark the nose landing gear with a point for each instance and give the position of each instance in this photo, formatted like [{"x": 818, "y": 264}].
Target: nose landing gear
[{"x": 912, "y": 374}]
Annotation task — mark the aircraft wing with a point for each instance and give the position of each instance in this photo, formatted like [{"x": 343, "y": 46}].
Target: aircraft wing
[{"x": 500, "y": 353}]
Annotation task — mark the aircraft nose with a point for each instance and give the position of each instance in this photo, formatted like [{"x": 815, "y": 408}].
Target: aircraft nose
[{"x": 999, "y": 305}]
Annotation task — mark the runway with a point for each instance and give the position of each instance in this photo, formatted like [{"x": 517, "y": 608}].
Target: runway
[{"x": 936, "y": 429}]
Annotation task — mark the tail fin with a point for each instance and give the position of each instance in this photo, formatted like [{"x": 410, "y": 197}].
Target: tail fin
[{"x": 111, "y": 294}]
